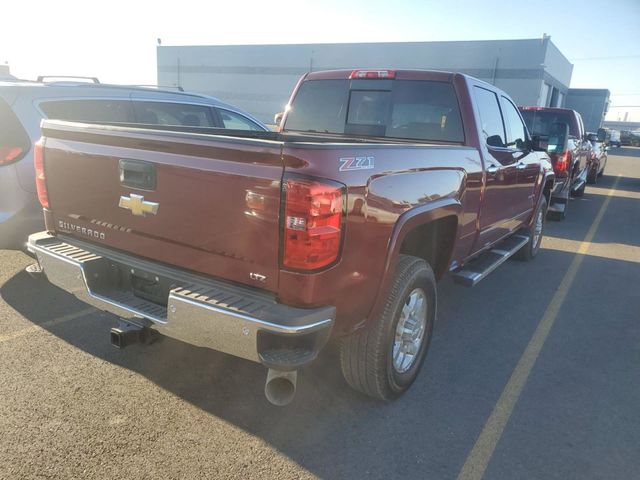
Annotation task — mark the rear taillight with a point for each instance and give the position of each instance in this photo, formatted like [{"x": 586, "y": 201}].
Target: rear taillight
[
  {"x": 9, "y": 154},
  {"x": 561, "y": 162},
  {"x": 38, "y": 163},
  {"x": 313, "y": 223},
  {"x": 387, "y": 74}
]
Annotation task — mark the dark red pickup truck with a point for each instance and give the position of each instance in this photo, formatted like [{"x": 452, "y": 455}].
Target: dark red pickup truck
[{"x": 264, "y": 245}]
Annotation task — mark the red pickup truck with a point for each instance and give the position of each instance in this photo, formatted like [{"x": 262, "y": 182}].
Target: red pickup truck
[
  {"x": 264, "y": 245},
  {"x": 569, "y": 149}
]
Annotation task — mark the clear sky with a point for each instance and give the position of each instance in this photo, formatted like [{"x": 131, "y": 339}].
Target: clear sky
[{"x": 115, "y": 40}]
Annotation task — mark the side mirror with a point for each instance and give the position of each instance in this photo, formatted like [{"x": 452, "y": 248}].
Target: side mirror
[
  {"x": 277, "y": 118},
  {"x": 539, "y": 143},
  {"x": 494, "y": 141}
]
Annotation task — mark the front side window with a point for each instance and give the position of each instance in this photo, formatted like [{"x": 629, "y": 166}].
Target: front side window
[
  {"x": 491, "y": 128},
  {"x": 516, "y": 133}
]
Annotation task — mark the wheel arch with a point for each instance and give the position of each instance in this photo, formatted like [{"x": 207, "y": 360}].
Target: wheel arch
[{"x": 436, "y": 221}]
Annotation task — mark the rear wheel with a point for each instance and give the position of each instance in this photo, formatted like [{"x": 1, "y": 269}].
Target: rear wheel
[
  {"x": 536, "y": 231},
  {"x": 384, "y": 359}
]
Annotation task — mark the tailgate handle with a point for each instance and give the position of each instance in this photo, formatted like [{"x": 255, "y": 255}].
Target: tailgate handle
[{"x": 137, "y": 174}]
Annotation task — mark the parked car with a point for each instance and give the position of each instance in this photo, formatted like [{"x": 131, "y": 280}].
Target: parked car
[
  {"x": 614, "y": 138},
  {"x": 629, "y": 138},
  {"x": 265, "y": 244},
  {"x": 569, "y": 149},
  {"x": 598, "y": 157},
  {"x": 23, "y": 104}
]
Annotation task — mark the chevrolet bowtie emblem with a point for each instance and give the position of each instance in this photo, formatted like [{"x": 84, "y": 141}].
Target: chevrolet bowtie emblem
[{"x": 138, "y": 205}]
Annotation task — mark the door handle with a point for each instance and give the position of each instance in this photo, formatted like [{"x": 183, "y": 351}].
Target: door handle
[
  {"x": 521, "y": 165},
  {"x": 492, "y": 169},
  {"x": 137, "y": 174}
]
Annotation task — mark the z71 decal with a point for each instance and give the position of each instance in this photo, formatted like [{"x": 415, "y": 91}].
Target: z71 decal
[{"x": 356, "y": 163}]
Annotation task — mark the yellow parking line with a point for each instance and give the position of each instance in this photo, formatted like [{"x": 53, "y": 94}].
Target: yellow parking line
[
  {"x": 609, "y": 250},
  {"x": 44, "y": 325},
  {"x": 482, "y": 451}
]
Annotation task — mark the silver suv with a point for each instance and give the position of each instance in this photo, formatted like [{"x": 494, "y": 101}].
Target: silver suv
[{"x": 23, "y": 104}]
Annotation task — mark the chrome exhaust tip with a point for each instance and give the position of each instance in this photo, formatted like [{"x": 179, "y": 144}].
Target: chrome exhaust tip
[{"x": 280, "y": 387}]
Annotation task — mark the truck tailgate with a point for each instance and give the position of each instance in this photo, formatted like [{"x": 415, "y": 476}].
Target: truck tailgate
[{"x": 206, "y": 203}]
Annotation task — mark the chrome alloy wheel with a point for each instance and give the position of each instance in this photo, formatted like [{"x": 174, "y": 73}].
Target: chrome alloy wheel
[
  {"x": 537, "y": 228},
  {"x": 410, "y": 331}
]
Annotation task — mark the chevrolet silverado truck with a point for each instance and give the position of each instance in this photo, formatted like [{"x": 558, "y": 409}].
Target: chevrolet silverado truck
[{"x": 265, "y": 245}]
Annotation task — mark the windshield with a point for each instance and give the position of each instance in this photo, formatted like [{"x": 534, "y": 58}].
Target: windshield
[{"x": 407, "y": 109}]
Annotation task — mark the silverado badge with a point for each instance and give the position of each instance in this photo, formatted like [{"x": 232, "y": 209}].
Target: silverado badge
[{"x": 138, "y": 205}]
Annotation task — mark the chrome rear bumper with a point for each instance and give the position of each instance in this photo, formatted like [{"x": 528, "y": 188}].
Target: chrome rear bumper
[{"x": 196, "y": 310}]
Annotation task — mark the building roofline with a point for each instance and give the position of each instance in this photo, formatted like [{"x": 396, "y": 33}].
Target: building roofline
[{"x": 539, "y": 39}]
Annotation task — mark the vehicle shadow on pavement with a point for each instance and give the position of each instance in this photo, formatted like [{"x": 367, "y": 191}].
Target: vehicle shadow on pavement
[
  {"x": 329, "y": 429},
  {"x": 583, "y": 210}
]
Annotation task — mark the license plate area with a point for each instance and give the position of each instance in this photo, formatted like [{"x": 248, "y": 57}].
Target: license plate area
[{"x": 140, "y": 283}]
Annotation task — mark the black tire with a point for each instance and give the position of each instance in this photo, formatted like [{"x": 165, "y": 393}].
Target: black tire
[
  {"x": 531, "y": 248},
  {"x": 366, "y": 356},
  {"x": 592, "y": 178}
]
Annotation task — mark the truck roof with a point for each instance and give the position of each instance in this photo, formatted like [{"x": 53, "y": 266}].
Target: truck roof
[
  {"x": 344, "y": 74},
  {"x": 546, "y": 109}
]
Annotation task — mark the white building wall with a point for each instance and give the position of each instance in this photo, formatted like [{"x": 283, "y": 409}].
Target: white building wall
[{"x": 260, "y": 78}]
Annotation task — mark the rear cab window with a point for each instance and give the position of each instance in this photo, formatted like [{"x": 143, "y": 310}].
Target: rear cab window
[
  {"x": 556, "y": 126},
  {"x": 540, "y": 122},
  {"x": 14, "y": 140},
  {"x": 404, "y": 109}
]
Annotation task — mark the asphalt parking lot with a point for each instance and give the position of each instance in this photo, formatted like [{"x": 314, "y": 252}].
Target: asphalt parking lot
[{"x": 534, "y": 373}]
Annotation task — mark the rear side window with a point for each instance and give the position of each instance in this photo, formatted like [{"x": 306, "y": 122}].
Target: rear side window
[
  {"x": 112, "y": 111},
  {"x": 14, "y": 141},
  {"x": 167, "y": 113},
  {"x": 407, "y": 109},
  {"x": 492, "y": 128},
  {"x": 234, "y": 121}
]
